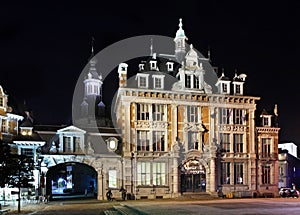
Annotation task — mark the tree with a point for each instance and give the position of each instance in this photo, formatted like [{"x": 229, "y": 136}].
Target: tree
[{"x": 15, "y": 170}]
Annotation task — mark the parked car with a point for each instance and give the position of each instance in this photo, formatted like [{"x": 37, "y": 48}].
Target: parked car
[{"x": 289, "y": 192}]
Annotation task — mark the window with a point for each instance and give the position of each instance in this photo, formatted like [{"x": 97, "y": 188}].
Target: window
[
  {"x": 192, "y": 114},
  {"x": 225, "y": 142},
  {"x": 142, "y": 80},
  {"x": 238, "y": 173},
  {"x": 225, "y": 169},
  {"x": 141, "y": 67},
  {"x": 170, "y": 66},
  {"x": 112, "y": 178},
  {"x": 4, "y": 126},
  {"x": 266, "y": 179},
  {"x": 153, "y": 65},
  {"x": 77, "y": 147},
  {"x": 188, "y": 81},
  {"x": 142, "y": 112},
  {"x": 266, "y": 147},
  {"x": 196, "y": 83},
  {"x": 158, "y": 112},
  {"x": 1, "y": 102},
  {"x": 238, "y": 89},
  {"x": 193, "y": 140},
  {"x": 266, "y": 120},
  {"x": 159, "y": 173},
  {"x": 225, "y": 114},
  {"x": 143, "y": 173},
  {"x": 238, "y": 116},
  {"x": 143, "y": 140},
  {"x": 157, "y": 83},
  {"x": 67, "y": 144},
  {"x": 238, "y": 143},
  {"x": 27, "y": 152},
  {"x": 158, "y": 141},
  {"x": 224, "y": 88}
]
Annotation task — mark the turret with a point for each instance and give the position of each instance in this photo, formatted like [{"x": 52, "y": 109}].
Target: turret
[{"x": 122, "y": 70}]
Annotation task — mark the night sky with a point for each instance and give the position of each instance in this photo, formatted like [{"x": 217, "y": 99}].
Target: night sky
[{"x": 44, "y": 47}]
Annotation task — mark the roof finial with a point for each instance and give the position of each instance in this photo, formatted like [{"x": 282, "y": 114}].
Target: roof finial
[
  {"x": 151, "y": 47},
  {"x": 223, "y": 75},
  {"x": 276, "y": 110},
  {"x": 92, "y": 44},
  {"x": 235, "y": 73},
  {"x": 208, "y": 54},
  {"x": 180, "y": 23}
]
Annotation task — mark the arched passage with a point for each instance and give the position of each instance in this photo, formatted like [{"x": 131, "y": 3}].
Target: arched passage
[
  {"x": 71, "y": 180},
  {"x": 193, "y": 176}
]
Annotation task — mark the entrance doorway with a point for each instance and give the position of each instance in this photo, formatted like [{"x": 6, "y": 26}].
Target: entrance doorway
[{"x": 193, "y": 178}]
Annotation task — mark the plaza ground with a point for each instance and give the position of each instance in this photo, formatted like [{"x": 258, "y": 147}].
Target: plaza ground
[{"x": 276, "y": 206}]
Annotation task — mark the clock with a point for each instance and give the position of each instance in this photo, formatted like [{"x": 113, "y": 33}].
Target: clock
[{"x": 112, "y": 143}]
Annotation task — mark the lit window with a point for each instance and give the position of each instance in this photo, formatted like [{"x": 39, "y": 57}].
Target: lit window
[
  {"x": 158, "y": 141},
  {"x": 238, "y": 173},
  {"x": 143, "y": 173},
  {"x": 225, "y": 169},
  {"x": 143, "y": 140},
  {"x": 112, "y": 178},
  {"x": 225, "y": 142},
  {"x": 238, "y": 143},
  {"x": 193, "y": 140},
  {"x": 159, "y": 173}
]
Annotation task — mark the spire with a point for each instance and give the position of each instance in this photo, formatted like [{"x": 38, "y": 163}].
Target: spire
[
  {"x": 92, "y": 48},
  {"x": 151, "y": 47},
  {"x": 180, "y": 31},
  {"x": 276, "y": 110},
  {"x": 208, "y": 54}
]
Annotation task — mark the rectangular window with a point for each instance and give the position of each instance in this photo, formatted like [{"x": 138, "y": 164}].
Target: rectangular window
[
  {"x": 225, "y": 115},
  {"x": 27, "y": 152},
  {"x": 266, "y": 177},
  {"x": 225, "y": 142},
  {"x": 112, "y": 178},
  {"x": 142, "y": 112},
  {"x": 157, "y": 83},
  {"x": 1, "y": 102},
  {"x": 225, "y": 169},
  {"x": 143, "y": 82},
  {"x": 4, "y": 126},
  {"x": 159, "y": 173},
  {"x": 158, "y": 141},
  {"x": 143, "y": 173},
  {"x": 143, "y": 140},
  {"x": 196, "y": 82},
  {"x": 193, "y": 140},
  {"x": 77, "y": 147},
  {"x": 158, "y": 112},
  {"x": 67, "y": 144},
  {"x": 238, "y": 173},
  {"x": 266, "y": 147},
  {"x": 238, "y": 143},
  {"x": 224, "y": 87},
  {"x": 238, "y": 89},
  {"x": 188, "y": 81},
  {"x": 237, "y": 117},
  {"x": 192, "y": 113}
]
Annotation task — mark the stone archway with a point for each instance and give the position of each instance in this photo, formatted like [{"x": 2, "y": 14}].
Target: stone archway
[{"x": 72, "y": 180}]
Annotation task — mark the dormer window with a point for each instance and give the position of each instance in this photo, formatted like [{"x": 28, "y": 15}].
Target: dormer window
[
  {"x": 158, "y": 81},
  {"x": 224, "y": 88},
  {"x": 141, "y": 67},
  {"x": 238, "y": 89},
  {"x": 142, "y": 80},
  {"x": 26, "y": 131},
  {"x": 170, "y": 66},
  {"x": 266, "y": 120},
  {"x": 153, "y": 65}
]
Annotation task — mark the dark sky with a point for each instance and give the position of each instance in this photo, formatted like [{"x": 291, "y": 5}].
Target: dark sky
[{"x": 44, "y": 47}]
